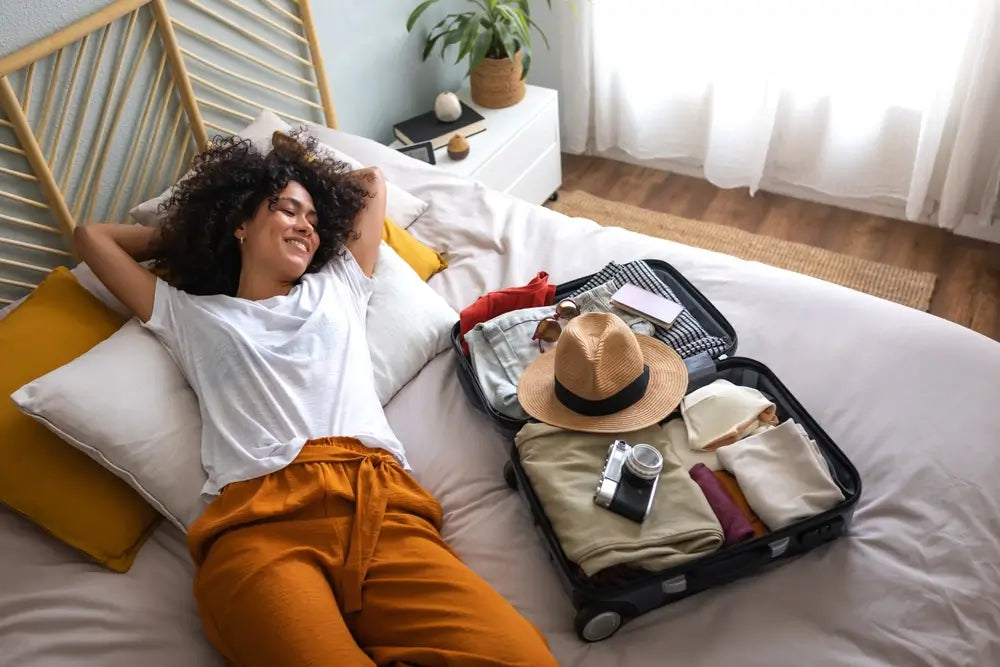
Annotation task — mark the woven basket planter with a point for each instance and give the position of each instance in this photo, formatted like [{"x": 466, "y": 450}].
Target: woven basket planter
[{"x": 497, "y": 83}]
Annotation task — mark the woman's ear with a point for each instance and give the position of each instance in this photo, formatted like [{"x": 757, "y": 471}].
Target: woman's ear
[{"x": 241, "y": 233}]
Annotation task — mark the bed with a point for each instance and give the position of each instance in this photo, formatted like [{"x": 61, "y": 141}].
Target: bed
[{"x": 913, "y": 400}]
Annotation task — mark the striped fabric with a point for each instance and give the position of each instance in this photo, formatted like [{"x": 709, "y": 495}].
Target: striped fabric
[{"x": 686, "y": 336}]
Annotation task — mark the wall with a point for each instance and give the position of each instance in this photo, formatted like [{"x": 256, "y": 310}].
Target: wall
[
  {"x": 374, "y": 66},
  {"x": 558, "y": 25},
  {"x": 376, "y": 75}
]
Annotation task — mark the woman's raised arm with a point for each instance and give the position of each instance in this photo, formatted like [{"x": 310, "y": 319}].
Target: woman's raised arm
[{"x": 113, "y": 253}]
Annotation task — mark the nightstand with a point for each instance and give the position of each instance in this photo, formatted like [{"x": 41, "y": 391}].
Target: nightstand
[{"x": 519, "y": 151}]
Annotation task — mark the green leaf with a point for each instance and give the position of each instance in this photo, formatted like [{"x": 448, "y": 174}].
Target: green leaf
[
  {"x": 445, "y": 26},
  {"x": 521, "y": 21},
  {"x": 509, "y": 43},
  {"x": 520, "y": 34},
  {"x": 455, "y": 33},
  {"x": 525, "y": 60},
  {"x": 544, "y": 38},
  {"x": 429, "y": 45},
  {"x": 417, "y": 11},
  {"x": 468, "y": 39},
  {"x": 453, "y": 37},
  {"x": 516, "y": 21},
  {"x": 455, "y": 30},
  {"x": 479, "y": 52}
]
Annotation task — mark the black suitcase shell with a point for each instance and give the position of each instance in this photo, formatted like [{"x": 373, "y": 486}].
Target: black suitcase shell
[{"x": 602, "y": 608}]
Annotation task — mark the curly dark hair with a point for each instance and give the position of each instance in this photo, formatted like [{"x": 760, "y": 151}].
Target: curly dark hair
[{"x": 198, "y": 251}]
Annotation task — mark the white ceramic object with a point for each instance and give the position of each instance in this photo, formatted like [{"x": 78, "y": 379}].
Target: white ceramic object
[{"x": 447, "y": 108}]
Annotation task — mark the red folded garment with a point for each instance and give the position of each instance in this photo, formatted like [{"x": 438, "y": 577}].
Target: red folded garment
[{"x": 536, "y": 293}]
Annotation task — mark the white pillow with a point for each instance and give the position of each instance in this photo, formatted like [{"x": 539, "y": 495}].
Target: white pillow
[
  {"x": 408, "y": 323},
  {"x": 401, "y": 207},
  {"x": 126, "y": 404}
]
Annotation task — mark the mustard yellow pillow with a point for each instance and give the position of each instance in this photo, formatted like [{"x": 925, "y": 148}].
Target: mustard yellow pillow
[
  {"x": 422, "y": 259},
  {"x": 41, "y": 477}
]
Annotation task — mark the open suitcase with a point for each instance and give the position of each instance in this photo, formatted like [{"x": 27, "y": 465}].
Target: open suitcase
[{"x": 602, "y": 607}]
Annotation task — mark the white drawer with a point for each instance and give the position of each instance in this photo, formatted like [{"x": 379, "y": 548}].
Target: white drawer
[
  {"x": 509, "y": 164},
  {"x": 541, "y": 179}
]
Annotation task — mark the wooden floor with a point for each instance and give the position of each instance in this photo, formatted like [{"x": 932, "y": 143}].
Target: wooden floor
[{"x": 968, "y": 284}]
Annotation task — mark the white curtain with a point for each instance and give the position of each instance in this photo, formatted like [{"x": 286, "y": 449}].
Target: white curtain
[{"x": 895, "y": 101}]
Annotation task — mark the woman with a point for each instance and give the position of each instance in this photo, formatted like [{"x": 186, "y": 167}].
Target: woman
[{"x": 319, "y": 549}]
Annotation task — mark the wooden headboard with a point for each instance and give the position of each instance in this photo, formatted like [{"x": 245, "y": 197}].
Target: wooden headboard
[{"x": 109, "y": 111}]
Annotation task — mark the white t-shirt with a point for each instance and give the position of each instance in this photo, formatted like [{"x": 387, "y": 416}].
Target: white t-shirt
[{"x": 271, "y": 374}]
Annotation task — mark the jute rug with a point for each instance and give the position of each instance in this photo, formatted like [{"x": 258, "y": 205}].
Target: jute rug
[{"x": 905, "y": 286}]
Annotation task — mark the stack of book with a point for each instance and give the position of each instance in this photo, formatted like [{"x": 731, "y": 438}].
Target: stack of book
[{"x": 426, "y": 127}]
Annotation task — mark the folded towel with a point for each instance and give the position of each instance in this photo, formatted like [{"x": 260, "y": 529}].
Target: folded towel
[
  {"x": 783, "y": 475},
  {"x": 735, "y": 526},
  {"x": 564, "y": 467},
  {"x": 721, "y": 413}
]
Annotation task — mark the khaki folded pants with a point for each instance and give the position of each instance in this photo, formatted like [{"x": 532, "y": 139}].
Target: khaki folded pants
[
  {"x": 564, "y": 467},
  {"x": 337, "y": 560}
]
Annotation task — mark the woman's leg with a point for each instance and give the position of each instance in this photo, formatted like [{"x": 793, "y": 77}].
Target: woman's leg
[
  {"x": 265, "y": 600},
  {"x": 423, "y": 606}
]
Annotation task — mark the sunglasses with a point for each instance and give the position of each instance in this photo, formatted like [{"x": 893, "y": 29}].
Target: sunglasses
[{"x": 550, "y": 328}]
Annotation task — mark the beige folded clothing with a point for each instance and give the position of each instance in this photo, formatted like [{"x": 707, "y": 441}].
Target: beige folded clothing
[
  {"x": 720, "y": 413},
  {"x": 783, "y": 475},
  {"x": 564, "y": 467}
]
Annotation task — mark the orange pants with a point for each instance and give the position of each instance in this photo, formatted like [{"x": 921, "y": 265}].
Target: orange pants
[{"x": 337, "y": 560}]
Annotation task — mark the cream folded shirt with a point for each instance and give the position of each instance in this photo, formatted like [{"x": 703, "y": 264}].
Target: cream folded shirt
[
  {"x": 783, "y": 475},
  {"x": 721, "y": 413},
  {"x": 564, "y": 467}
]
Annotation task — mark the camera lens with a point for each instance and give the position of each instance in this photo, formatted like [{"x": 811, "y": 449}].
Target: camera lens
[{"x": 644, "y": 461}]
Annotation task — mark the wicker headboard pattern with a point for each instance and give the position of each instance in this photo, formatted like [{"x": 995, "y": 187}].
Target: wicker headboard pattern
[{"x": 109, "y": 111}]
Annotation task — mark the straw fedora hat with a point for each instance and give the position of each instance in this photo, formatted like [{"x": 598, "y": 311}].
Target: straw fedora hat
[{"x": 603, "y": 378}]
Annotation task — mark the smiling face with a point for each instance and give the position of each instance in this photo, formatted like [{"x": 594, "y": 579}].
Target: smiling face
[{"x": 279, "y": 241}]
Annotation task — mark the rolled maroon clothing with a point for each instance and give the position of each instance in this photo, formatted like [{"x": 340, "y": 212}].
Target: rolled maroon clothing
[{"x": 735, "y": 526}]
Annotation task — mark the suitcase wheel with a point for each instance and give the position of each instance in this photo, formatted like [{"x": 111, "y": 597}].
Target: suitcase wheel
[
  {"x": 594, "y": 624},
  {"x": 509, "y": 476}
]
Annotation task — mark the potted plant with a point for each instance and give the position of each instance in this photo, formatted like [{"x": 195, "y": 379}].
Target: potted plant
[{"x": 495, "y": 36}]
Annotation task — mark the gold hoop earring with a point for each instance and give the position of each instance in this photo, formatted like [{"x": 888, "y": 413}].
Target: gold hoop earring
[{"x": 242, "y": 239}]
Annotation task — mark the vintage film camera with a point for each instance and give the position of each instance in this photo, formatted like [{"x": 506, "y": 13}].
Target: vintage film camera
[{"x": 628, "y": 481}]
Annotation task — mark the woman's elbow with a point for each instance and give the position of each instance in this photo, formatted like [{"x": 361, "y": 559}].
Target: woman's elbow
[
  {"x": 372, "y": 180},
  {"x": 371, "y": 172},
  {"x": 81, "y": 240}
]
